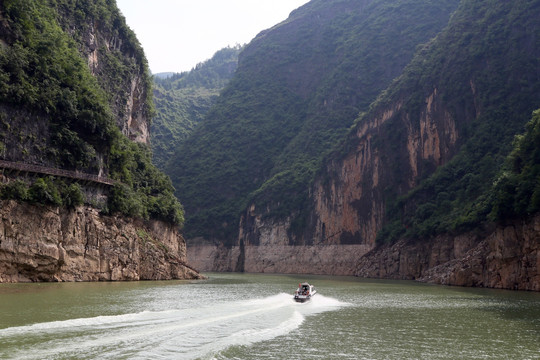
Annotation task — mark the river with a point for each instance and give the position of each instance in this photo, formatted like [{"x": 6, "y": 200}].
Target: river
[{"x": 253, "y": 316}]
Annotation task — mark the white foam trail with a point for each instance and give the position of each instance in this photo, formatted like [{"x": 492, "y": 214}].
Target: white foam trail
[
  {"x": 179, "y": 334},
  {"x": 98, "y": 321}
]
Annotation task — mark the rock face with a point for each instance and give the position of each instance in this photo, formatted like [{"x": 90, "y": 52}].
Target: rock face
[
  {"x": 129, "y": 92},
  {"x": 507, "y": 257},
  {"x": 270, "y": 249},
  {"x": 40, "y": 243},
  {"x": 313, "y": 259},
  {"x": 349, "y": 202}
]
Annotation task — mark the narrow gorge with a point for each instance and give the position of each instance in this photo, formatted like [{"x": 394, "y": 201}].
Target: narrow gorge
[{"x": 416, "y": 189}]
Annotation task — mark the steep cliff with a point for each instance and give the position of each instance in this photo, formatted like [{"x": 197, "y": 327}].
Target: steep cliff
[
  {"x": 43, "y": 243},
  {"x": 502, "y": 254},
  {"x": 411, "y": 185},
  {"x": 297, "y": 90},
  {"x": 507, "y": 257},
  {"x": 74, "y": 68},
  {"x": 450, "y": 111},
  {"x": 75, "y": 108},
  {"x": 115, "y": 58}
]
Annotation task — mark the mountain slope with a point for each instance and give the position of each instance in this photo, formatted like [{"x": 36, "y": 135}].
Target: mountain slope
[
  {"x": 79, "y": 197},
  {"x": 182, "y": 101},
  {"x": 74, "y": 91},
  {"x": 437, "y": 179},
  {"x": 298, "y": 88},
  {"x": 419, "y": 166}
]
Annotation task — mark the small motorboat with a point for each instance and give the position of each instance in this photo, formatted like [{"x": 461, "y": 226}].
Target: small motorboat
[{"x": 304, "y": 292}]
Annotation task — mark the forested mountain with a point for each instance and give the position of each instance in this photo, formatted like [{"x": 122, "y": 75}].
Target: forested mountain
[
  {"x": 382, "y": 138},
  {"x": 182, "y": 100},
  {"x": 80, "y": 199},
  {"x": 423, "y": 168},
  {"x": 483, "y": 72},
  {"x": 74, "y": 92},
  {"x": 298, "y": 88}
]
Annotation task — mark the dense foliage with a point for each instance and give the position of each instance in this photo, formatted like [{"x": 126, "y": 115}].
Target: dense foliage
[
  {"x": 298, "y": 88},
  {"x": 182, "y": 100},
  {"x": 144, "y": 191},
  {"x": 486, "y": 67},
  {"x": 44, "y": 71},
  {"x": 45, "y": 190},
  {"x": 516, "y": 191}
]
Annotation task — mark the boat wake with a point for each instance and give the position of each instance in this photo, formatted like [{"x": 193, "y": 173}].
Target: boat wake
[{"x": 188, "y": 333}]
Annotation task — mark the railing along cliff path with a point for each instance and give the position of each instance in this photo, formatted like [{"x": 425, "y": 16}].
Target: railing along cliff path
[{"x": 36, "y": 169}]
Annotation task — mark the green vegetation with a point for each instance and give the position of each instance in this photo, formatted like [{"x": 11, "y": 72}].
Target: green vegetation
[
  {"x": 182, "y": 100},
  {"x": 516, "y": 191},
  {"x": 144, "y": 190},
  {"x": 44, "y": 70},
  {"x": 486, "y": 72},
  {"x": 298, "y": 88},
  {"x": 45, "y": 190}
]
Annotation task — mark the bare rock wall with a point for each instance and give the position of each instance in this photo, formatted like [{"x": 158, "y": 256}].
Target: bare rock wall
[
  {"x": 507, "y": 258},
  {"x": 39, "y": 243}
]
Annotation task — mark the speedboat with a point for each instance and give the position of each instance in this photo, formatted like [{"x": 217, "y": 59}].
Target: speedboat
[{"x": 304, "y": 292}]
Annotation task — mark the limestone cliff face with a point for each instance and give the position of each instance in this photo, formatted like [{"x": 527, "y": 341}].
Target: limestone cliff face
[
  {"x": 390, "y": 150},
  {"x": 116, "y": 59},
  {"x": 348, "y": 200},
  {"x": 39, "y": 243},
  {"x": 269, "y": 249},
  {"x": 112, "y": 51},
  {"x": 507, "y": 257}
]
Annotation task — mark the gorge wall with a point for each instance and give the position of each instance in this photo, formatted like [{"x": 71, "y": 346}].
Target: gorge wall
[
  {"x": 507, "y": 257},
  {"x": 348, "y": 203},
  {"x": 388, "y": 150},
  {"x": 42, "y": 243},
  {"x": 416, "y": 169},
  {"x": 116, "y": 59},
  {"x": 75, "y": 108}
]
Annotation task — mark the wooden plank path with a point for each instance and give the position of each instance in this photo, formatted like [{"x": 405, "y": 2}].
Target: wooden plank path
[{"x": 36, "y": 169}]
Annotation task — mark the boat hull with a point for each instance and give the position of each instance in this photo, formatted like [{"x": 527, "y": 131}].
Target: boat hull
[
  {"x": 304, "y": 292},
  {"x": 303, "y": 298}
]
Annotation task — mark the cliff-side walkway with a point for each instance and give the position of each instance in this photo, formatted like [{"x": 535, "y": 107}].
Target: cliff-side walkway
[{"x": 36, "y": 169}]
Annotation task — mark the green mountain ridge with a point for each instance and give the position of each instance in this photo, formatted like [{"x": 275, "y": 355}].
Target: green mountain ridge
[
  {"x": 298, "y": 88},
  {"x": 65, "y": 79},
  {"x": 182, "y": 100},
  {"x": 485, "y": 68}
]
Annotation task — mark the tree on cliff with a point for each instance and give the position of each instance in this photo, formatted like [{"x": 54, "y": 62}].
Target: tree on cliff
[{"x": 516, "y": 192}]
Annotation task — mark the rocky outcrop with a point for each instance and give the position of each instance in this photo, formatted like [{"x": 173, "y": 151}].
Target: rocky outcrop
[
  {"x": 114, "y": 52},
  {"x": 267, "y": 247},
  {"x": 39, "y": 243},
  {"x": 116, "y": 59},
  {"x": 391, "y": 150},
  {"x": 507, "y": 257}
]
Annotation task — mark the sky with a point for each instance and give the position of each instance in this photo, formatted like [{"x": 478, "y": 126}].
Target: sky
[{"x": 178, "y": 34}]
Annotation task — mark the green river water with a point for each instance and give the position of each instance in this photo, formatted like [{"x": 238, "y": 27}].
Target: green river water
[{"x": 253, "y": 316}]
